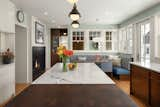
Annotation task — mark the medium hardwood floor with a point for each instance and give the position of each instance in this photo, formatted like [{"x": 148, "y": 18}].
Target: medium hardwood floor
[
  {"x": 19, "y": 89},
  {"x": 123, "y": 84}
]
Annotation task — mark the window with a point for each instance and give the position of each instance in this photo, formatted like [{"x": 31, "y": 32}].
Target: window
[
  {"x": 78, "y": 40},
  {"x": 123, "y": 40},
  {"x": 145, "y": 32},
  {"x": 157, "y": 37},
  {"x": 108, "y": 40},
  {"x": 126, "y": 40},
  {"x": 95, "y": 40},
  {"x": 129, "y": 39}
]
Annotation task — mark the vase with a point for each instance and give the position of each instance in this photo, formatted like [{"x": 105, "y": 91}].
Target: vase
[
  {"x": 7, "y": 60},
  {"x": 64, "y": 60}
]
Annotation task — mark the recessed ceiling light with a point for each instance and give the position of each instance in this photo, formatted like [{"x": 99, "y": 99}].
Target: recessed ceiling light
[
  {"x": 53, "y": 21},
  {"x": 97, "y": 20},
  {"x": 72, "y": 1},
  {"x": 108, "y": 13},
  {"x": 45, "y": 13}
]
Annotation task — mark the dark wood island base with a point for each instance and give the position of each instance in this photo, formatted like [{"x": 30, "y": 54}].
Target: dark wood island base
[{"x": 72, "y": 96}]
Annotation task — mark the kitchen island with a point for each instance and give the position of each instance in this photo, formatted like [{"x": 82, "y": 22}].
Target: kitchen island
[
  {"x": 85, "y": 73},
  {"x": 87, "y": 86}
]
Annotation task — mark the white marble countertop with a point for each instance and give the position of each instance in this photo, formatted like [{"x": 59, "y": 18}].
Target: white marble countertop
[
  {"x": 151, "y": 66},
  {"x": 85, "y": 73}
]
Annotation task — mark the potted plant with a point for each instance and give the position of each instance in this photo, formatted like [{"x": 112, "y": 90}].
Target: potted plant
[{"x": 7, "y": 57}]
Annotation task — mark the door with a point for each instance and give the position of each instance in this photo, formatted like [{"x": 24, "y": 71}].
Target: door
[
  {"x": 144, "y": 38},
  {"x": 21, "y": 74}
]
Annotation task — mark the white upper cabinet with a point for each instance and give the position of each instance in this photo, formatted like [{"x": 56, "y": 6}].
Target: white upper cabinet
[
  {"x": 95, "y": 40},
  {"x": 7, "y": 17}
]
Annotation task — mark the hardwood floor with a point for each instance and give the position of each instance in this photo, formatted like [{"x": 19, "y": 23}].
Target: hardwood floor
[
  {"x": 19, "y": 89},
  {"x": 123, "y": 84}
]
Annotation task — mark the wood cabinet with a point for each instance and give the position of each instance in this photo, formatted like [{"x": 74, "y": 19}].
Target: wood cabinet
[
  {"x": 55, "y": 35},
  {"x": 155, "y": 89},
  {"x": 145, "y": 84},
  {"x": 7, "y": 19},
  {"x": 78, "y": 40},
  {"x": 78, "y": 45},
  {"x": 140, "y": 83}
]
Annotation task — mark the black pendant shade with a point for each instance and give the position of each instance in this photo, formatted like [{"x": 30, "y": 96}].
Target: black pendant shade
[
  {"x": 75, "y": 24},
  {"x": 74, "y": 14}
]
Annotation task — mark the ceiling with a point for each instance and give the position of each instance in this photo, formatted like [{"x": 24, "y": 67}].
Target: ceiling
[{"x": 55, "y": 12}]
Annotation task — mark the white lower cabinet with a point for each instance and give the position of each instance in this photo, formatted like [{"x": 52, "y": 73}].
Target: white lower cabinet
[{"x": 7, "y": 82}]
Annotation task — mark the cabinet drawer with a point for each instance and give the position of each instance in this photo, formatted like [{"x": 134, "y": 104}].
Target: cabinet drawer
[
  {"x": 155, "y": 75},
  {"x": 138, "y": 72}
]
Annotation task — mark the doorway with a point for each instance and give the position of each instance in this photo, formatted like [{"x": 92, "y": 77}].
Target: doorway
[{"x": 21, "y": 70}]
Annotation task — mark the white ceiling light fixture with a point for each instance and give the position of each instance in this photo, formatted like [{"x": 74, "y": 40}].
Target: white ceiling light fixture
[
  {"x": 45, "y": 13},
  {"x": 75, "y": 24},
  {"x": 74, "y": 14},
  {"x": 72, "y": 1}
]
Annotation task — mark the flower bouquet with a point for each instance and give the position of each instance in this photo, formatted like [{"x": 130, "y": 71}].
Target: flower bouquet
[
  {"x": 7, "y": 56},
  {"x": 64, "y": 54}
]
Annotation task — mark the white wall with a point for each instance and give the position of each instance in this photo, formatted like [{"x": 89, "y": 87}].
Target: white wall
[
  {"x": 46, "y": 44},
  {"x": 29, "y": 24},
  {"x": 7, "y": 40},
  {"x": 34, "y": 19},
  {"x": 48, "y": 48}
]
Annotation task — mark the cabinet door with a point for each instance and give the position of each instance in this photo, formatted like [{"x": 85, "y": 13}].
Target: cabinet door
[
  {"x": 7, "y": 19},
  {"x": 11, "y": 17},
  {"x": 155, "y": 89},
  {"x": 78, "y": 46},
  {"x": 140, "y": 83},
  {"x": 7, "y": 82}
]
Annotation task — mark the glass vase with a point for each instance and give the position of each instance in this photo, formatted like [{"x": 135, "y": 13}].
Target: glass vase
[{"x": 64, "y": 61}]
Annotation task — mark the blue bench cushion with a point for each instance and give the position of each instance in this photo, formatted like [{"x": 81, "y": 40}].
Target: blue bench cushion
[{"x": 120, "y": 71}]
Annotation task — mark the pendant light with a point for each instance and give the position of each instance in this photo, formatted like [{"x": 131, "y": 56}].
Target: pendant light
[
  {"x": 75, "y": 24},
  {"x": 74, "y": 14},
  {"x": 72, "y": 1}
]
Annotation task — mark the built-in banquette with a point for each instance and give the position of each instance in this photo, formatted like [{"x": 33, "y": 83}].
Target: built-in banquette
[{"x": 145, "y": 82}]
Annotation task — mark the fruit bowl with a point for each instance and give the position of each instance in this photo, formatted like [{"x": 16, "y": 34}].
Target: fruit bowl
[{"x": 72, "y": 66}]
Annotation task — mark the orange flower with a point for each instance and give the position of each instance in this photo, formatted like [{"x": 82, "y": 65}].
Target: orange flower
[{"x": 68, "y": 53}]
